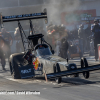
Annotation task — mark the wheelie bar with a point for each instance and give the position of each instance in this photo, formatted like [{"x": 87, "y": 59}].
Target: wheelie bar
[{"x": 75, "y": 71}]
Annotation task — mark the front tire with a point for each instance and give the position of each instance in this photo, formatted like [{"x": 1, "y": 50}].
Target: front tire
[
  {"x": 84, "y": 63},
  {"x": 58, "y": 80},
  {"x": 57, "y": 69}
]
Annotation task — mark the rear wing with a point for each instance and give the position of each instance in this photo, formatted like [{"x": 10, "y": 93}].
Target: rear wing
[{"x": 24, "y": 17}]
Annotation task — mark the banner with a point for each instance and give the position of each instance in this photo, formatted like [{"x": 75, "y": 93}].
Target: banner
[{"x": 77, "y": 17}]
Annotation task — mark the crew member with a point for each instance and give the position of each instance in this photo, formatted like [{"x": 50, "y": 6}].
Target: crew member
[
  {"x": 8, "y": 41},
  {"x": 2, "y": 56},
  {"x": 81, "y": 38},
  {"x": 96, "y": 30},
  {"x": 88, "y": 35},
  {"x": 19, "y": 46},
  {"x": 64, "y": 44}
]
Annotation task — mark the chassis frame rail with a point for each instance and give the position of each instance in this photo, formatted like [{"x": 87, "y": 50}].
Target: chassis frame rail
[{"x": 75, "y": 71}]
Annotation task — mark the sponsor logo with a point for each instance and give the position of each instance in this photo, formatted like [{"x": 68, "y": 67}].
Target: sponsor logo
[
  {"x": 38, "y": 72},
  {"x": 25, "y": 71},
  {"x": 72, "y": 67},
  {"x": 24, "y": 15},
  {"x": 36, "y": 63}
]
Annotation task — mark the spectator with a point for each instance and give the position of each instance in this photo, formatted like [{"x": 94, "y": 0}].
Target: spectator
[{"x": 96, "y": 30}]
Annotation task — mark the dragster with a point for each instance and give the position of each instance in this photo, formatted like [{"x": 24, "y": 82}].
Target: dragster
[{"x": 38, "y": 59}]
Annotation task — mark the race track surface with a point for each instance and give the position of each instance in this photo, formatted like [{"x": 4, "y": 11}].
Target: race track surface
[{"x": 70, "y": 89}]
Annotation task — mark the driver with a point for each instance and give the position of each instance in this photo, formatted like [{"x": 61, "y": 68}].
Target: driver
[{"x": 43, "y": 50}]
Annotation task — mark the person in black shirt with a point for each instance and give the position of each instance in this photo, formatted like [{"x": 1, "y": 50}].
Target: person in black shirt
[
  {"x": 64, "y": 47},
  {"x": 96, "y": 30}
]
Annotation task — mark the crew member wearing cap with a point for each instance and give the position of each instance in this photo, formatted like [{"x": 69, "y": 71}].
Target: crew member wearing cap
[{"x": 96, "y": 30}]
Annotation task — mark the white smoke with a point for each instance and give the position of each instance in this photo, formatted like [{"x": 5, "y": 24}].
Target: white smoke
[{"x": 55, "y": 7}]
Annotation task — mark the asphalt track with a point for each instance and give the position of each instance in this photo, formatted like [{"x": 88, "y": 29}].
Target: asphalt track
[{"x": 70, "y": 89}]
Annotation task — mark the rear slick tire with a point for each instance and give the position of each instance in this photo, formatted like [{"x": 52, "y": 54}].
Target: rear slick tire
[
  {"x": 14, "y": 71},
  {"x": 86, "y": 74}
]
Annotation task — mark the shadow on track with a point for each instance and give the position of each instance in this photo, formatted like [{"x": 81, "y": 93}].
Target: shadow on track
[{"x": 69, "y": 82}]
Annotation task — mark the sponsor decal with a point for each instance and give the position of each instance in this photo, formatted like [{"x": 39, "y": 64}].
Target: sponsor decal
[
  {"x": 38, "y": 72},
  {"x": 36, "y": 63},
  {"x": 25, "y": 71},
  {"x": 24, "y": 15},
  {"x": 72, "y": 67}
]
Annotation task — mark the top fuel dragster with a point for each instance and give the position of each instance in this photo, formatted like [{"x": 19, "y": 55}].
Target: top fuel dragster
[{"x": 38, "y": 58}]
